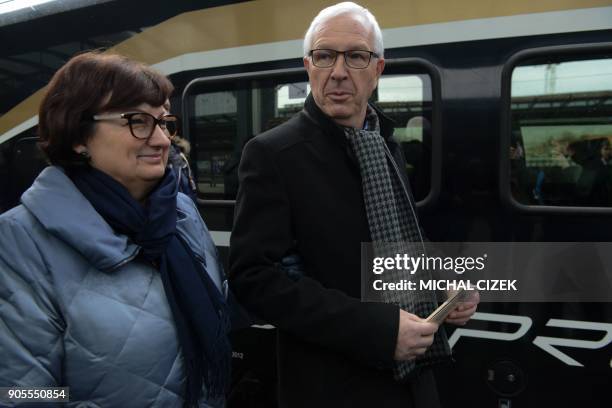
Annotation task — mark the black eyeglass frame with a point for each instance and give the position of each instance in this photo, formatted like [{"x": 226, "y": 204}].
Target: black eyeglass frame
[
  {"x": 346, "y": 61},
  {"x": 161, "y": 122}
]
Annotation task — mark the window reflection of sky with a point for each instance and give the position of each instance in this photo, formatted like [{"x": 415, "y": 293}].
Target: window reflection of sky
[
  {"x": 14, "y": 5},
  {"x": 562, "y": 78},
  {"x": 392, "y": 88}
]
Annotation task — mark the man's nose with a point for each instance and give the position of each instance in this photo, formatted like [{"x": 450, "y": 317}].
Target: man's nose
[{"x": 339, "y": 70}]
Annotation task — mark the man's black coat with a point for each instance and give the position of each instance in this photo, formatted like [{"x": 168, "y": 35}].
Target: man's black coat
[{"x": 300, "y": 192}]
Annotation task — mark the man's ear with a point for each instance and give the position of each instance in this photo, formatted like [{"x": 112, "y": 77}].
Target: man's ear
[
  {"x": 380, "y": 66},
  {"x": 307, "y": 64}
]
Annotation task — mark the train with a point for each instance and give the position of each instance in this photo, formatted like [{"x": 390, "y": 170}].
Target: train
[{"x": 503, "y": 110}]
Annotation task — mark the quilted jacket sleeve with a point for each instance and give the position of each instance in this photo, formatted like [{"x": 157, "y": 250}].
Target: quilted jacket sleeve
[
  {"x": 31, "y": 326},
  {"x": 197, "y": 235}
]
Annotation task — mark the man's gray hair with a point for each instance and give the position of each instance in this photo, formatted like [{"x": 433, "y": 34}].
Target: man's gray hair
[{"x": 347, "y": 7}]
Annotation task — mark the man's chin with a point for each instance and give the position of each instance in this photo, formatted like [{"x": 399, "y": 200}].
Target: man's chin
[
  {"x": 344, "y": 118},
  {"x": 338, "y": 112}
]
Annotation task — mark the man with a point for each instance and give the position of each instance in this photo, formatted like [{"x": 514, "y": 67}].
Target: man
[{"x": 302, "y": 191}]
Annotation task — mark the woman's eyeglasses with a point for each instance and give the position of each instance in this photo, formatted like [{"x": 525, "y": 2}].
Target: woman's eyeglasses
[{"x": 142, "y": 124}]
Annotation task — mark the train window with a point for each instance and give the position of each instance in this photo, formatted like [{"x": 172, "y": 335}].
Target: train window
[
  {"x": 561, "y": 133},
  {"x": 223, "y": 117},
  {"x": 21, "y": 161},
  {"x": 407, "y": 100},
  {"x": 224, "y": 114}
]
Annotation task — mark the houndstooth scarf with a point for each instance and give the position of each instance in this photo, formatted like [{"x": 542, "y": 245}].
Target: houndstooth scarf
[{"x": 394, "y": 230}]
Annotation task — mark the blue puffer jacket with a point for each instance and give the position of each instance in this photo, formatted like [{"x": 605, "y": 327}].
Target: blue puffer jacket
[{"x": 78, "y": 309}]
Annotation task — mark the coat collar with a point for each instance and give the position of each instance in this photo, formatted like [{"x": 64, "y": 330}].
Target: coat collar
[
  {"x": 314, "y": 113},
  {"x": 66, "y": 214},
  {"x": 336, "y": 132}
]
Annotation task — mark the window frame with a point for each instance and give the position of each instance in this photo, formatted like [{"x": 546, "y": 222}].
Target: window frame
[
  {"x": 420, "y": 64},
  {"x": 553, "y": 53}
]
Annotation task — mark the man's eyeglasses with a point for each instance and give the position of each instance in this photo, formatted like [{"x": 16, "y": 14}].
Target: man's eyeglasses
[
  {"x": 142, "y": 124},
  {"x": 358, "y": 59}
]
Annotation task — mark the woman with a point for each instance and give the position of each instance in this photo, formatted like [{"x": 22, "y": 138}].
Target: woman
[{"x": 109, "y": 281}]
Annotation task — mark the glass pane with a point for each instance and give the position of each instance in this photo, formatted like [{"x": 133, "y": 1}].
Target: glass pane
[
  {"x": 21, "y": 161},
  {"x": 215, "y": 125},
  {"x": 292, "y": 96},
  {"x": 407, "y": 100},
  {"x": 224, "y": 117},
  {"x": 561, "y": 133}
]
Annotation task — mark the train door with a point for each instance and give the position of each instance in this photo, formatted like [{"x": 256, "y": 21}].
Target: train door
[{"x": 554, "y": 186}]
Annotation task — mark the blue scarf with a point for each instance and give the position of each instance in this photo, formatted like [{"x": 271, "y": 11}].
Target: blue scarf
[{"x": 199, "y": 309}]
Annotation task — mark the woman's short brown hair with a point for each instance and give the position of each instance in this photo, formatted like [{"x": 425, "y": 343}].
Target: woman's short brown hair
[{"x": 88, "y": 84}]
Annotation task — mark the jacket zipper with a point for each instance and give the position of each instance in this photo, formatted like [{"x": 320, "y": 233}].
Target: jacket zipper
[{"x": 126, "y": 260}]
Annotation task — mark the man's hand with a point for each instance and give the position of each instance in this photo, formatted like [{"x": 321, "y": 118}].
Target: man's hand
[
  {"x": 464, "y": 310},
  {"x": 415, "y": 335}
]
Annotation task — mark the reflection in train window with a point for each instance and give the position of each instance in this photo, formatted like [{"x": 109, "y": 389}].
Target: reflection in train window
[
  {"x": 407, "y": 100},
  {"x": 222, "y": 117},
  {"x": 21, "y": 161},
  {"x": 560, "y": 151}
]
